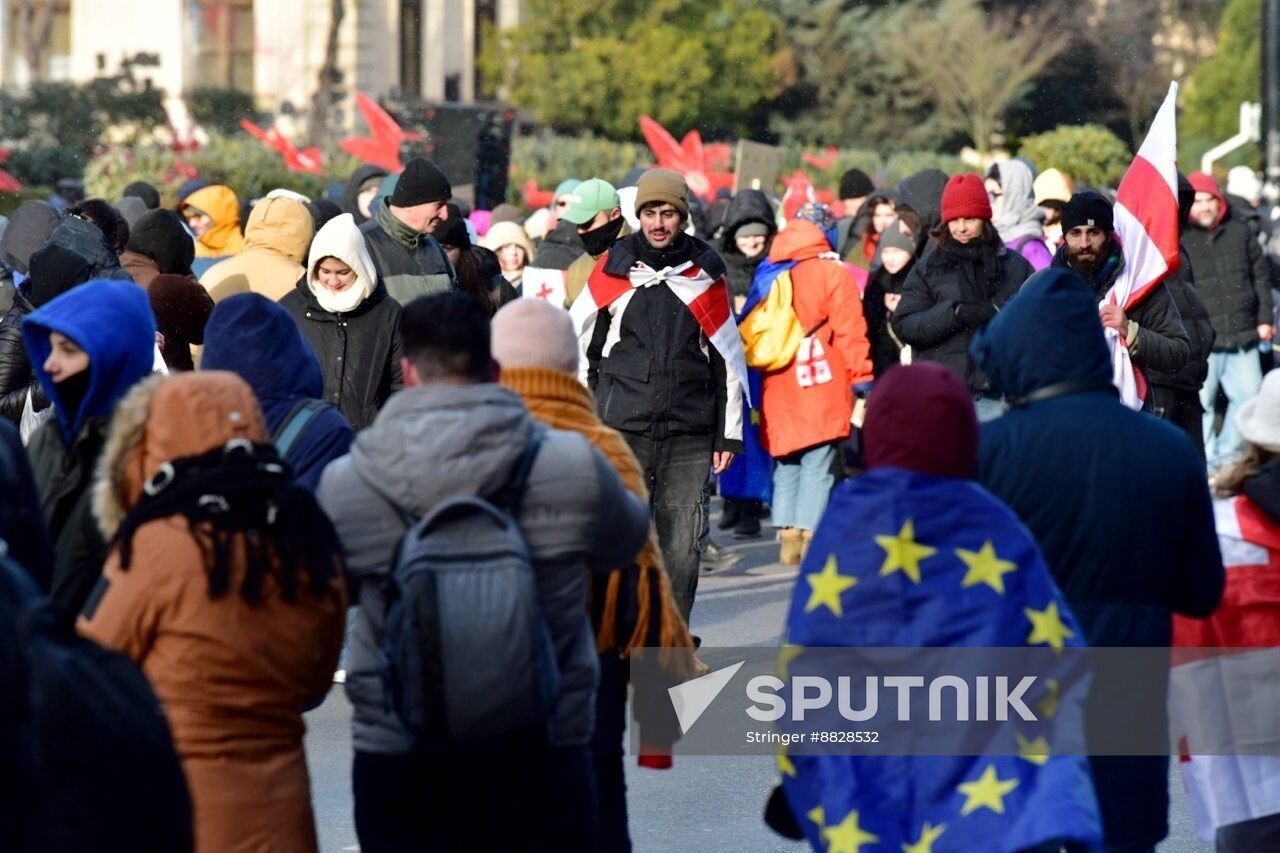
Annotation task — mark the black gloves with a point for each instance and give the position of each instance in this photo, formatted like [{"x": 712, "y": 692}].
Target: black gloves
[{"x": 975, "y": 314}]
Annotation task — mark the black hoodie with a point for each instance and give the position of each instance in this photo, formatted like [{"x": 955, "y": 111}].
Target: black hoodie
[
  {"x": 350, "y": 203},
  {"x": 747, "y": 206}
]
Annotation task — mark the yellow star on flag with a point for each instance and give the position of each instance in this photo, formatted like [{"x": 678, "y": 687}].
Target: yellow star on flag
[
  {"x": 1048, "y": 706},
  {"x": 1036, "y": 751},
  {"x": 818, "y": 815},
  {"x": 985, "y": 566},
  {"x": 903, "y": 553},
  {"x": 928, "y": 835},
  {"x": 786, "y": 655},
  {"x": 827, "y": 586},
  {"x": 847, "y": 836},
  {"x": 785, "y": 767},
  {"x": 986, "y": 792},
  {"x": 1047, "y": 627}
]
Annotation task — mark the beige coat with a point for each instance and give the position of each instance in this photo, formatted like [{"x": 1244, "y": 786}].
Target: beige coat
[
  {"x": 234, "y": 678},
  {"x": 276, "y": 240}
]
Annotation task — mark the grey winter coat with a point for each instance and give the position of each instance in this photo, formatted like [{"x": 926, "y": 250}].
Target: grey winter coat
[
  {"x": 409, "y": 263},
  {"x": 433, "y": 442}
]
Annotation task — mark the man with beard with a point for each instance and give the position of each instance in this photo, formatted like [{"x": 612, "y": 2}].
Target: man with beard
[
  {"x": 665, "y": 362},
  {"x": 1153, "y": 330},
  {"x": 596, "y": 211}
]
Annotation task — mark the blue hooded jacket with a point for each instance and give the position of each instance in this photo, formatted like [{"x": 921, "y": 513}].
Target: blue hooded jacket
[
  {"x": 111, "y": 321},
  {"x": 254, "y": 337},
  {"x": 1117, "y": 500}
]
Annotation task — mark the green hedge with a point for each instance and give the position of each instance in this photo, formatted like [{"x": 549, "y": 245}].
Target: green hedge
[
  {"x": 240, "y": 162},
  {"x": 1089, "y": 154}
]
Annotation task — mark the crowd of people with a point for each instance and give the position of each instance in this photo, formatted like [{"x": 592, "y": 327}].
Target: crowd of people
[{"x": 501, "y": 431}]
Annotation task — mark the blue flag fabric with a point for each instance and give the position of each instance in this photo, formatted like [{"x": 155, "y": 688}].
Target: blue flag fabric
[
  {"x": 935, "y": 562},
  {"x": 765, "y": 275},
  {"x": 750, "y": 476}
]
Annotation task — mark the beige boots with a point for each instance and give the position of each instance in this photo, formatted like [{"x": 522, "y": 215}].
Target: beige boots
[{"x": 795, "y": 544}]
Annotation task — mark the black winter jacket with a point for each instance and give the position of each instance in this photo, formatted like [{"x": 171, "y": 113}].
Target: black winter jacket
[
  {"x": 747, "y": 206},
  {"x": 559, "y": 249},
  {"x": 926, "y": 317},
  {"x": 359, "y": 351},
  {"x": 1195, "y": 320},
  {"x": 660, "y": 377},
  {"x": 1232, "y": 280},
  {"x": 22, "y": 525},
  {"x": 410, "y": 264},
  {"x": 16, "y": 375}
]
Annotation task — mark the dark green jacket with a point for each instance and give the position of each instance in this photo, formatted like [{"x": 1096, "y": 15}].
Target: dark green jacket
[{"x": 409, "y": 263}]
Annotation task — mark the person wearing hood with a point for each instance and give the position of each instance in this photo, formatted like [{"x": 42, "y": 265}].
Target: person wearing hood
[
  {"x": 918, "y": 200},
  {"x": 408, "y": 260},
  {"x": 213, "y": 215},
  {"x": 1237, "y": 803},
  {"x": 895, "y": 257},
  {"x": 452, "y": 433},
  {"x": 594, "y": 209},
  {"x": 563, "y": 244},
  {"x": 114, "y": 228},
  {"x": 28, "y": 230},
  {"x": 749, "y": 228},
  {"x": 513, "y": 247},
  {"x": 1053, "y": 189},
  {"x": 254, "y": 337},
  {"x": 360, "y": 190},
  {"x": 182, "y": 307},
  {"x": 88, "y": 347},
  {"x": 159, "y": 245},
  {"x": 76, "y": 237},
  {"x": 873, "y": 582},
  {"x": 1017, "y": 217},
  {"x": 959, "y": 287},
  {"x": 1153, "y": 330},
  {"x": 1176, "y": 396},
  {"x": 224, "y": 584},
  {"x": 1233, "y": 280},
  {"x": 1125, "y": 560},
  {"x": 352, "y": 324},
  {"x": 275, "y": 244},
  {"x": 806, "y": 407}
]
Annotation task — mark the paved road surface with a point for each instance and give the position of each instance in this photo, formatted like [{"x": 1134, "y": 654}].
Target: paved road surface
[{"x": 704, "y": 803}]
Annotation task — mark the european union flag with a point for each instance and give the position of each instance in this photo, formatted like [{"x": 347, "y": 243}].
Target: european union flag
[{"x": 902, "y": 559}]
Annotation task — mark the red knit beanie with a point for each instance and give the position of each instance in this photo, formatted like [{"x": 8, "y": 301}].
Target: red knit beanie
[{"x": 965, "y": 198}]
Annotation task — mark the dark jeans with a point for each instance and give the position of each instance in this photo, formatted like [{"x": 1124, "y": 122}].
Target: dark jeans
[
  {"x": 1181, "y": 408},
  {"x": 1262, "y": 833},
  {"x": 675, "y": 471},
  {"x": 543, "y": 801},
  {"x": 609, "y": 754}
]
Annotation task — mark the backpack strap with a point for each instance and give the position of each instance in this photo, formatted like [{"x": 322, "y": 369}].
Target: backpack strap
[
  {"x": 514, "y": 497},
  {"x": 295, "y": 424}
]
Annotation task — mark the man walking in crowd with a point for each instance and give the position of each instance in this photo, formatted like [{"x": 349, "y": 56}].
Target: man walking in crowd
[
  {"x": 1153, "y": 331},
  {"x": 1057, "y": 459},
  {"x": 453, "y": 433},
  {"x": 854, "y": 188},
  {"x": 595, "y": 210},
  {"x": 1232, "y": 278},
  {"x": 563, "y": 245},
  {"x": 665, "y": 362},
  {"x": 409, "y": 260}
]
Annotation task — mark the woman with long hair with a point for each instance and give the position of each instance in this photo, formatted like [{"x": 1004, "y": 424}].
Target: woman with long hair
[{"x": 224, "y": 583}]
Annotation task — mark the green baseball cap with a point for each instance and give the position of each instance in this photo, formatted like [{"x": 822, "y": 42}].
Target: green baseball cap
[{"x": 588, "y": 199}]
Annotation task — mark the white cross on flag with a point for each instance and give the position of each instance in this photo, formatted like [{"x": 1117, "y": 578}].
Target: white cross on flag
[{"x": 1146, "y": 221}]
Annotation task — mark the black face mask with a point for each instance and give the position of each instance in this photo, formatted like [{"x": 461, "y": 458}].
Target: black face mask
[
  {"x": 71, "y": 393},
  {"x": 598, "y": 240}
]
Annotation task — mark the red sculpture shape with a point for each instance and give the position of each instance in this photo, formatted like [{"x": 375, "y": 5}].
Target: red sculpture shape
[{"x": 383, "y": 148}]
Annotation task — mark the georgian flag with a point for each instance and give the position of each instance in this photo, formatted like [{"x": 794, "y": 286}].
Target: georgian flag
[
  {"x": 1146, "y": 220},
  {"x": 707, "y": 300},
  {"x": 1224, "y": 687},
  {"x": 547, "y": 285}
]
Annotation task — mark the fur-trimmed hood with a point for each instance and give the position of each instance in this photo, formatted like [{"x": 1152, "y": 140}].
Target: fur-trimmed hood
[{"x": 164, "y": 418}]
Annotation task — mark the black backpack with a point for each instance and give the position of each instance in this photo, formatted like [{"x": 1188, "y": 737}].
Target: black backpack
[
  {"x": 101, "y": 772},
  {"x": 467, "y": 656}
]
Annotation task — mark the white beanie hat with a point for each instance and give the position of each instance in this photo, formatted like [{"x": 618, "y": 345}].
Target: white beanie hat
[
  {"x": 1259, "y": 418},
  {"x": 534, "y": 333}
]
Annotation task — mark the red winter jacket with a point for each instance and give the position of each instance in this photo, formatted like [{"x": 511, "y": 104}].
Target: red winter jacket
[{"x": 810, "y": 402}]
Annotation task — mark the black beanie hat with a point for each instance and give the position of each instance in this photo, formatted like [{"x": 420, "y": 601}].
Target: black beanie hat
[
  {"x": 421, "y": 182},
  {"x": 1089, "y": 207},
  {"x": 855, "y": 184},
  {"x": 55, "y": 270},
  {"x": 453, "y": 232},
  {"x": 141, "y": 189}
]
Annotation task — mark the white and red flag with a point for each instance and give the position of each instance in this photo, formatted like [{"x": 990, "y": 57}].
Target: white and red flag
[
  {"x": 706, "y": 298},
  {"x": 547, "y": 285},
  {"x": 1224, "y": 687},
  {"x": 1146, "y": 220}
]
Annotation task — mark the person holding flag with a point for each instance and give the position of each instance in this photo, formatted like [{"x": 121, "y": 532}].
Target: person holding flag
[
  {"x": 665, "y": 362},
  {"x": 916, "y": 554}
]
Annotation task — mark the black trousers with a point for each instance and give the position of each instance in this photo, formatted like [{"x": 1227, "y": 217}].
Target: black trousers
[
  {"x": 608, "y": 752},
  {"x": 541, "y": 800}
]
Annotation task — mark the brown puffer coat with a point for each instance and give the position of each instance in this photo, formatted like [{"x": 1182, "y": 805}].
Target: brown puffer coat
[{"x": 234, "y": 678}]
